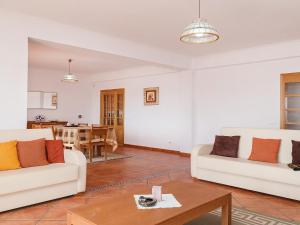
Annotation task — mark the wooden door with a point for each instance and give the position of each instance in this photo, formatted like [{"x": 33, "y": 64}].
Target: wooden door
[
  {"x": 112, "y": 111},
  {"x": 290, "y": 101}
]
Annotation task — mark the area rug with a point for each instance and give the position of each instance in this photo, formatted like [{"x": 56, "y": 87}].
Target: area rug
[
  {"x": 240, "y": 217},
  {"x": 110, "y": 156}
]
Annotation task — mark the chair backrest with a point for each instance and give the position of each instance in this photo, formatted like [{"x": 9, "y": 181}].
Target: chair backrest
[
  {"x": 247, "y": 134},
  {"x": 99, "y": 132},
  {"x": 69, "y": 136},
  {"x": 57, "y": 131},
  {"x": 83, "y": 124},
  {"x": 84, "y": 134}
]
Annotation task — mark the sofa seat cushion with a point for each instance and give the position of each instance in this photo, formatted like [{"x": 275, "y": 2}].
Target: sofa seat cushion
[
  {"x": 243, "y": 167},
  {"x": 35, "y": 177}
]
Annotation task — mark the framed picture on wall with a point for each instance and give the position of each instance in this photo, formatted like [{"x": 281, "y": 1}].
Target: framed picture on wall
[
  {"x": 54, "y": 100},
  {"x": 151, "y": 96}
]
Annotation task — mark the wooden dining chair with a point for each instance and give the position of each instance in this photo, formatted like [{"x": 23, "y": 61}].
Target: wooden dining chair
[
  {"x": 83, "y": 140},
  {"x": 54, "y": 132},
  {"x": 57, "y": 131},
  {"x": 69, "y": 137},
  {"x": 96, "y": 139}
]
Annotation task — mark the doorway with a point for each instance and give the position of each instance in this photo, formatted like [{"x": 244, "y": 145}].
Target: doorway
[{"x": 112, "y": 111}]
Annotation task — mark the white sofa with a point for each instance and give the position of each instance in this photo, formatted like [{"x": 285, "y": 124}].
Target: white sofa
[
  {"x": 274, "y": 179},
  {"x": 33, "y": 185}
]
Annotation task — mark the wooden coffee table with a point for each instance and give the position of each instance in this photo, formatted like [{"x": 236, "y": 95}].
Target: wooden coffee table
[{"x": 196, "y": 200}]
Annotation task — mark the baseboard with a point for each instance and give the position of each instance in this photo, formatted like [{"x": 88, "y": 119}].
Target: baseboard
[
  {"x": 174, "y": 152},
  {"x": 185, "y": 154}
]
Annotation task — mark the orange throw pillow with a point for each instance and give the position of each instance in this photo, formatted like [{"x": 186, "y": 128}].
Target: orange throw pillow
[
  {"x": 265, "y": 150},
  {"x": 9, "y": 156},
  {"x": 55, "y": 151},
  {"x": 32, "y": 153}
]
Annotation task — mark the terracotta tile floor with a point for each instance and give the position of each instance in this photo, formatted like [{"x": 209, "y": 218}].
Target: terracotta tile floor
[{"x": 144, "y": 168}]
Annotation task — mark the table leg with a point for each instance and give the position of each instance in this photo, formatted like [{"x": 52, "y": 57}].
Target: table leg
[
  {"x": 226, "y": 212},
  {"x": 90, "y": 153}
]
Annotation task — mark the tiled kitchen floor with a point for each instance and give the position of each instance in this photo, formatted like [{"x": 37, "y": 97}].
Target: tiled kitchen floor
[{"x": 144, "y": 168}]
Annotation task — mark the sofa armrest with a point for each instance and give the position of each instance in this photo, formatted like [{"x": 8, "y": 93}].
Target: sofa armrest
[
  {"x": 202, "y": 149},
  {"x": 76, "y": 157},
  {"x": 199, "y": 150}
]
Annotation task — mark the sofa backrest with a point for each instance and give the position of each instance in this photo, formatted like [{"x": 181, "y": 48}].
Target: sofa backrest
[
  {"x": 25, "y": 134},
  {"x": 247, "y": 134}
]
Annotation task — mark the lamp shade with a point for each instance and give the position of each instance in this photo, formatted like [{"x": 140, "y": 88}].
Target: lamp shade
[
  {"x": 70, "y": 78},
  {"x": 198, "y": 32}
]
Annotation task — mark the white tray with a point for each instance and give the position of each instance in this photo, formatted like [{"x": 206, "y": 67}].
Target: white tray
[{"x": 168, "y": 201}]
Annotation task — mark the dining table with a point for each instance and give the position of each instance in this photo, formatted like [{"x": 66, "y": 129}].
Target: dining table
[{"x": 73, "y": 135}]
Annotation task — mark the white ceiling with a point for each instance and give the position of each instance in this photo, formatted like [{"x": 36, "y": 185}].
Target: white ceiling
[
  {"x": 241, "y": 23},
  {"x": 55, "y": 56}
]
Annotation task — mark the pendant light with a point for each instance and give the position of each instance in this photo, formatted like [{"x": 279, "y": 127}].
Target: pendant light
[
  {"x": 70, "y": 77},
  {"x": 199, "y": 32}
]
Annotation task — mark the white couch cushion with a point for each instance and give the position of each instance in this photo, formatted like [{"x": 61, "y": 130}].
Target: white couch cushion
[
  {"x": 34, "y": 177},
  {"x": 285, "y": 151},
  {"x": 260, "y": 170}
]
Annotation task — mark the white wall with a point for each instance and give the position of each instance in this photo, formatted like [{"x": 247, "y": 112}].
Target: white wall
[
  {"x": 133, "y": 72},
  {"x": 13, "y": 75},
  {"x": 167, "y": 125},
  {"x": 195, "y": 105},
  {"x": 240, "y": 89},
  {"x": 16, "y": 28},
  {"x": 72, "y": 99}
]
